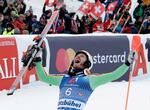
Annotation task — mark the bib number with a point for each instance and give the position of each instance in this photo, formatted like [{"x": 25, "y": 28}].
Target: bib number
[{"x": 68, "y": 91}]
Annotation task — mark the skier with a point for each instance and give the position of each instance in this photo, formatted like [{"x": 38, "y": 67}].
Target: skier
[{"x": 78, "y": 84}]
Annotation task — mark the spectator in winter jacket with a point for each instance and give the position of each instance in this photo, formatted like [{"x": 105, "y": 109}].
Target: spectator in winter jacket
[
  {"x": 3, "y": 5},
  {"x": 47, "y": 13},
  {"x": 139, "y": 10},
  {"x": 37, "y": 27},
  {"x": 20, "y": 6},
  {"x": 63, "y": 12},
  {"x": 30, "y": 20},
  {"x": 7, "y": 18},
  {"x": 19, "y": 23},
  {"x": 14, "y": 15},
  {"x": 146, "y": 11},
  {"x": 9, "y": 30},
  {"x": 60, "y": 26},
  {"x": 9, "y": 9},
  {"x": 146, "y": 26},
  {"x": 138, "y": 23}
]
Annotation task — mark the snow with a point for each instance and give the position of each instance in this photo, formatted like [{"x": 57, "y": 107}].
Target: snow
[{"x": 111, "y": 96}]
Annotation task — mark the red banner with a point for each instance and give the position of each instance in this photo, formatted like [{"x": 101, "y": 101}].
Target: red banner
[{"x": 8, "y": 62}]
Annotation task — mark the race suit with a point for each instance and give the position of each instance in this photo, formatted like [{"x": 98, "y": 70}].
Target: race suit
[{"x": 75, "y": 90}]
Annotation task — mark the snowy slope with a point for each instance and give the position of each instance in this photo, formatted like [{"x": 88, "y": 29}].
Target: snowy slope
[{"x": 111, "y": 96}]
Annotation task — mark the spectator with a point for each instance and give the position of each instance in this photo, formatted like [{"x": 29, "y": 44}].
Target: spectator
[
  {"x": 146, "y": 11},
  {"x": 17, "y": 31},
  {"x": 37, "y": 27},
  {"x": 2, "y": 25},
  {"x": 7, "y": 19},
  {"x": 3, "y": 4},
  {"x": 139, "y": 10},
  {"x": 47, "y": 13},
  {"x": 74, "y": 25},
  {"x": 146, "y": 26},
  {"x": 20, "y": 6},
  {"x": 60, "y": 26},
  {"x": 25, "y": 32},
  {"x": 19, "y": 23},
  {"x": 138, "y": 23},
  {"x": 9, "y": 9},
  {"x": 63, "y": 12},
  {"x": 14, "y": 15},
  {"x": 9, "y": 30},
  {"x": 30, "y": 20},
  {"x": 83, "y": 26}
]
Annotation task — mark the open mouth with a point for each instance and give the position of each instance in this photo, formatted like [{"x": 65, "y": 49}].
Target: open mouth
[{"x": 77, "y": 61}]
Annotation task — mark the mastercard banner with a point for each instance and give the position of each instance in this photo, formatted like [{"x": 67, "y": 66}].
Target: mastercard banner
[
  {"x": 108, "y": 52},
  {"x": 9, "y": 67}
]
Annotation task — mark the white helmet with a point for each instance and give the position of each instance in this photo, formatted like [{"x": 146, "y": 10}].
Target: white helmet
[{"x": 89, "y": 63}]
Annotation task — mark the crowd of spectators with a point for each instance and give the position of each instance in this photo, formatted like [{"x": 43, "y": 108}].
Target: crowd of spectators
[{"x": 16, "y": 19}]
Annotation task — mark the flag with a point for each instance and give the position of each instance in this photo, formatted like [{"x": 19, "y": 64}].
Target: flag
[
  {"x": 111, "y": 7},
  {"x": 86, "y": 7},
  {"x": 51, "y": 3},
  {"x": 97, "y": 10}
]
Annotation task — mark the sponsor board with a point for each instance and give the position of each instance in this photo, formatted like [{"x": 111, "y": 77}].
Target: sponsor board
[
  {"x": 108, "y": 52},
  {"x": 9, "y": 67}
]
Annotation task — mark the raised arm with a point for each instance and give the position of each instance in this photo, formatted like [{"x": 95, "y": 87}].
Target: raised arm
[
  {"x": 108, "y": 77},
  {"x": 54, "y": 80}
]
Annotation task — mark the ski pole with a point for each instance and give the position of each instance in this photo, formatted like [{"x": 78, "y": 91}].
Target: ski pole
[{"x": 130, "y": 77}]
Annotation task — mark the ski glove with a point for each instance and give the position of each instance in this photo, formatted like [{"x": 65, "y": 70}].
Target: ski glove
[
  {"x": 131, "y": 58},
  {"x": 28, "y": 54}
]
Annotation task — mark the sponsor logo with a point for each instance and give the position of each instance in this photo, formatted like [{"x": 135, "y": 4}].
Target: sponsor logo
[
  {"x": 108, "y": 53},
  {"x": 65, "y": 57},
  {"x": 111, "y": 58},
  {"x": 72, "y": 80},
  {"x": 70, "y": 104},
  {"x": 9, "y": 67}
]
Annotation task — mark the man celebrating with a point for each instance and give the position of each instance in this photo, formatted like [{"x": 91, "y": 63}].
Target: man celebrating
[{"x": 78, "y": 84}]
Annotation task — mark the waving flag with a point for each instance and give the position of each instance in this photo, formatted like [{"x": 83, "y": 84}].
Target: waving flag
[
  {"x": 97, "y": 10},
  {"x": 86, "y": 7},
  {"x": 111, "y": 7},
  {"x": 50, "y": 2}
]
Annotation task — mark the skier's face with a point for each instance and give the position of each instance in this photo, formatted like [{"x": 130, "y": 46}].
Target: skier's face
[{"x": 79, "y": 60}]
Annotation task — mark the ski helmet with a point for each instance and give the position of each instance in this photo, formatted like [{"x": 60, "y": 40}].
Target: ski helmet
[{"x": 89, "y": 62}]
